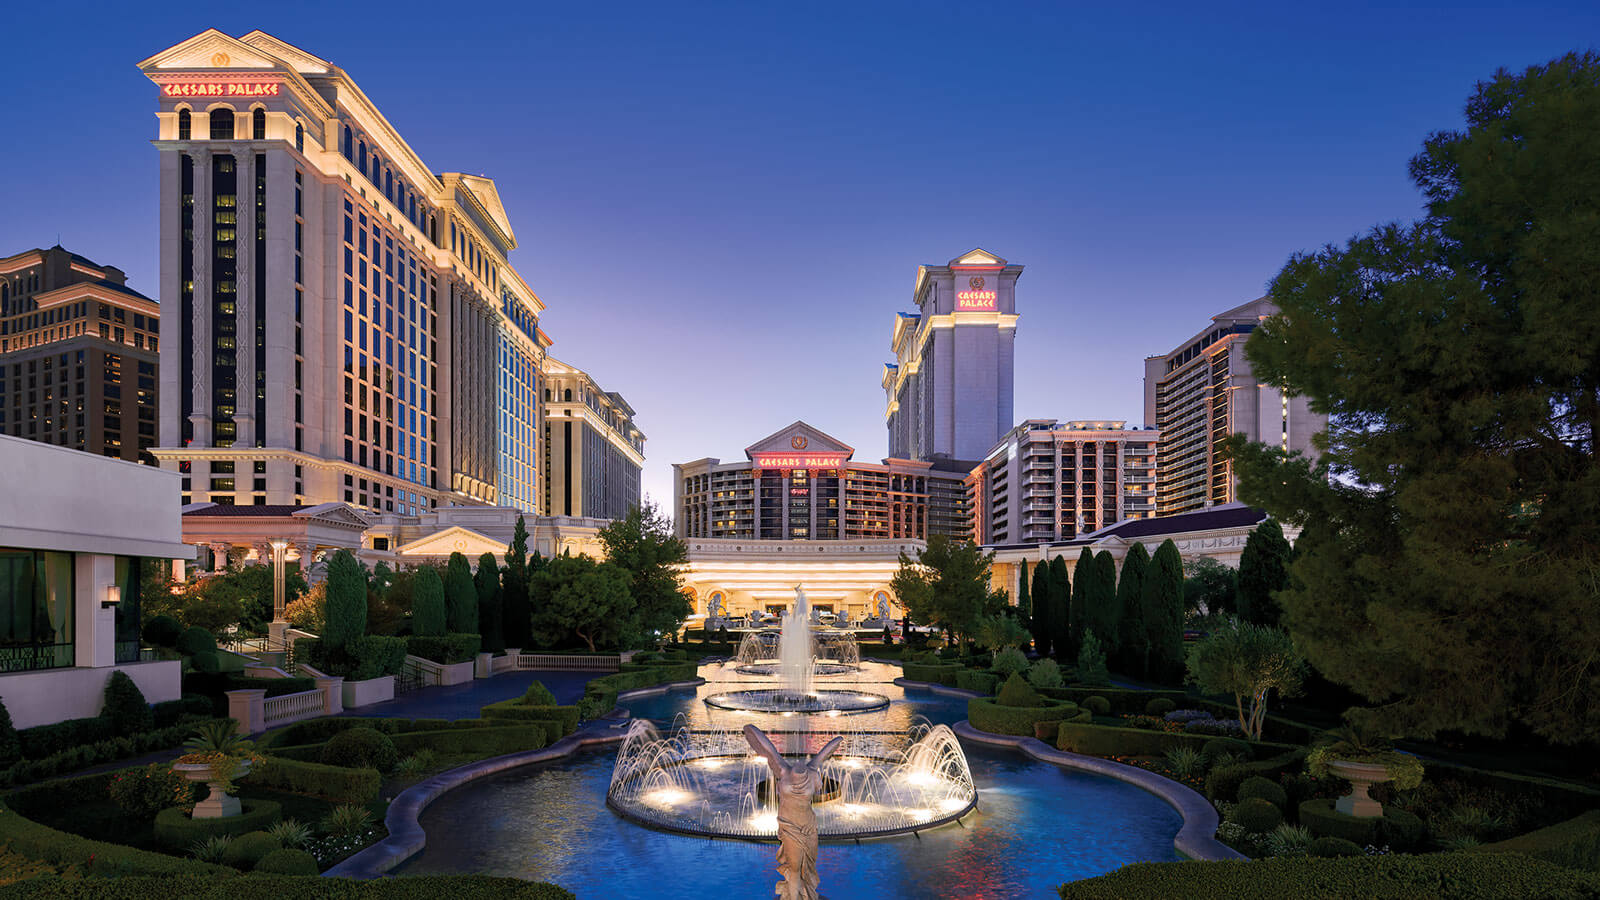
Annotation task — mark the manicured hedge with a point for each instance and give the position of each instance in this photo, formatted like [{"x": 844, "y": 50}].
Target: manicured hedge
[
  {"x": 447, "y": 648},
  {"x": 932, "y": 673},
  {"x": 175, "y": 829},
  {"x": 1575, "y": 843},
  {"x": 28, "y": 838},
  {"x": 565, "y": 716},
  {"x": 1123, "y": 700},
  {"x": 1223, "y": 782},
  {"x": 987, "y": 715},
  {"x": 281, "y": 887},
  {"x": 600, "y": 694},
  {"x": 1483, "y": 876},
  {"x": 1395, "y": 828},
  {"x": 482, "y": 741},
  {"x": 317, "y": 731},
  {"x": 1274, "y": 728},
  {"x": 336, "y": 784},
  {"x": 84, "y": 755},
  {"x": 975, "y": 680},
  {"x": 1107, "y": 740}
]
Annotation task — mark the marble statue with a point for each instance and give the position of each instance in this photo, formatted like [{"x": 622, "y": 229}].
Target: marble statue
[
  {"x": 883, "y": 609},
  {"x": 796, "y": 784}
]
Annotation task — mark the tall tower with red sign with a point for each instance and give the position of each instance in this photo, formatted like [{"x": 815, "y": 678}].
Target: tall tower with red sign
[{"x": 949, "y": 388}]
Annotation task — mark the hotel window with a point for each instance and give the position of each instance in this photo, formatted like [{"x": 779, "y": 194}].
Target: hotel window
[
  {"x": 300, "y": 137},
  {"x": 258, "y": 124},
  {"x": 36, "y": 604},
  {"x": 183, "y": 124},
  {"x": 222, "y": 125}
]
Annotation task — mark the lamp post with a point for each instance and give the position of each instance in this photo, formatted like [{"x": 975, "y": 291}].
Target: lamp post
[{"x": 279, "y": 625}]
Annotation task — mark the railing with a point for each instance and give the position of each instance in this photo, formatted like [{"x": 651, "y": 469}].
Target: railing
[
  {"x": 410, "y": 678},
  {"x": 294, "y": 707},
  {"x": 564, "y": 661},
  {"x": 506, "y": 663},
  {"x": 427, "y": 671}
]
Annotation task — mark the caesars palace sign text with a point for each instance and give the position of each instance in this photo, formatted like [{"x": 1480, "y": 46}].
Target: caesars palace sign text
[
  {"x": 222, "y": 89},
  {"x": 975, "y": 301}
]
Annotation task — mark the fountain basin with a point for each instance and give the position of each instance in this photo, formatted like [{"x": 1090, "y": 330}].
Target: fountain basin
[
  {"x": 780, "y": 701},
  {"x": 775, "y": 668}
]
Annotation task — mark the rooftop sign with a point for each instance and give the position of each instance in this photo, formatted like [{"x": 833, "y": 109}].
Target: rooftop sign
[{"x": 223, "y": 87}]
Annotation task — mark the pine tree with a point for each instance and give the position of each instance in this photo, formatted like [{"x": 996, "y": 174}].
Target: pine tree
[
  {"x": 1043, "y": 625},
  {"x": 514, "y": 588},
  {"x": 1263, "y": 569},
  {"x": 487, "y": 584},
  {"x": 1060, "y": 610},
  {"x": 1082, "y": 587},
  {"x": 1132, "y": 644},
  {"x": 460, "y": 596},
  {"x": 1163, "y": 614}
]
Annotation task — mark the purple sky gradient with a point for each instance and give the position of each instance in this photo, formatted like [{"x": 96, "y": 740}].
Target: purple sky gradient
[{"x": 723, "y": 205}]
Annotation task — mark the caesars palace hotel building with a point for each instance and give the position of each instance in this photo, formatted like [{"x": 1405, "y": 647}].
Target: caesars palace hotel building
[{"x": 341, "y": 321}]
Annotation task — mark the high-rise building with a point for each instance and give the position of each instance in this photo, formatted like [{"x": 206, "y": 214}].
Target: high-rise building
[
  {"x": 593, "y": 452},
  {"x": 1204, "y": 391},
  {"x": 801, "y": 484},
  {"x": 1053, "y": 481},
  {"x": 78, "y": 355},
  {"x": 949, "y": 388},
  {"x": 343, "y": 323}
]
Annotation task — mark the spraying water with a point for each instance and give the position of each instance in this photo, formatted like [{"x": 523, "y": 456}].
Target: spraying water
[{"x": 794, "y": 647}]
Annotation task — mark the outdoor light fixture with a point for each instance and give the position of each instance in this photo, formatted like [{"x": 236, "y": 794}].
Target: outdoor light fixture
[{"x": 113, "y": 596}]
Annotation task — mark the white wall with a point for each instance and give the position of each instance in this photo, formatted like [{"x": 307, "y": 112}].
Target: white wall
[{"x": 54, "y": 695}]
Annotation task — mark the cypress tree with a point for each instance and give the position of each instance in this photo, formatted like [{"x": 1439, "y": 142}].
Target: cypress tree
[
  {"x": 1132, "y": 645},
  {"x": 1263, "y": 569},
  {"x": 1043, "y": 624},
  {"x": 346, "y": 616},
  {"x": 1163, "y": 614},
  {"x": 1083, "y": 577},
  {"x": 1024, "y": 600},
  {"x": 1104, "y": 613},
  {"x": 514, "y": 589},
  {"x": 1060, "y": 610},
  {"x": 428, "y": 617},
  {"x": 487, "y": 583},
  {"x": 538, "y": 592},
  {"x": 460, "y": 596}
]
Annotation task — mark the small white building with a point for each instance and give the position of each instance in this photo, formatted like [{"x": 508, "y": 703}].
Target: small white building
[{"x": 73, "y": 527}]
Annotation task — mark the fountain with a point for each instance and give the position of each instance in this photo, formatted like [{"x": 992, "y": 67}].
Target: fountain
[{"x": 796, "y": 667}]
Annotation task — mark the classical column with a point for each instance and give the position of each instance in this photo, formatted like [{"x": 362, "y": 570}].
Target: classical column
[
  {"x": 202, "y": 252},
  {"x": 219, "y": 557}
]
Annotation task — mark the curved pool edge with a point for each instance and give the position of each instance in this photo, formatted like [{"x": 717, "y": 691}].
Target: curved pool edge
[
  {"x": 406, "y": 836},
  {"x": 1196, "y": 839}
]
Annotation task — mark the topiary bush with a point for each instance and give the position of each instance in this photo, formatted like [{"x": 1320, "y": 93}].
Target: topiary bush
[
  {"x": 126, "y": 707},
  {"x": 1018, "y": 692},
  {"x": 162, "y": 631},
  {"x": 361, "y": 748},
  {"x": 248, "y": 849},
  {"x": 1265, "y": 789},
  {"x": 1332, "y": 848},
  {"x": 1098, "y": 705},
  {"x": 206, "y": 662},
  {"x": 538, "y": 695},
  {"x": 287, "y": 862},
  {"x": 1045, "y": 674},
  {"x": 1010, "y": 661},
  {"x": 1159, "y": 707},
  {"x": 1255, "y": 816},
  {"x": 177, "y": 830},
  {"x": 195, "y": 640},
  {"x": 1396, "y": 827}
]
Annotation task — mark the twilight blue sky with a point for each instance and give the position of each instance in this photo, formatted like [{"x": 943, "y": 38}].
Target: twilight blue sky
[{"x": 722, "y": 205}]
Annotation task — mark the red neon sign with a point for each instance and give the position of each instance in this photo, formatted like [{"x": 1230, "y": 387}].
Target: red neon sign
[
  {"x": 798, "y": 460},
  {"x": 234, "y": 88},
  {"x": 976, "y": 301}
]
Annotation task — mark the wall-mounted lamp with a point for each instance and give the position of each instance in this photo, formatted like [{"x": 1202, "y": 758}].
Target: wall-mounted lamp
[{"x": 113, "y": 596}]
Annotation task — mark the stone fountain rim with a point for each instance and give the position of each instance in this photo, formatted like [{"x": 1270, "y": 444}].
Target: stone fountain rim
[{"x": 822, "y": 836}]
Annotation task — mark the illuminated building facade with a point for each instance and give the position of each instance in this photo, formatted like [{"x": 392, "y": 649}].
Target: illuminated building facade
[
  {"x": 1053, "y": 481},
  {"x": 343, "y": 324},
  {"x": 78, "y": 355},
  {"x": 799, "y": 484},
  {"x": 1204, "y": 391},
  {"x": 949, "y": 389},
  {"x": 593, "y": 451}
]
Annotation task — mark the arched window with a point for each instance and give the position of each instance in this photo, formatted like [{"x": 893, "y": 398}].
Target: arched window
[
  {"x": 222, "y": 125},
  {"x": 566, "y": 395},
  {"x": 361, "y": 157},
  {"x": 388, "y": 183},
  {"x": 344, "y": 142},
  {"x": 5, "y": 298},
  {"x": 258, "y": 125},
  {"x": 299, "y": 137},
  {"x": 183, "y": 124},
  {"x": 547, "y": 395}
]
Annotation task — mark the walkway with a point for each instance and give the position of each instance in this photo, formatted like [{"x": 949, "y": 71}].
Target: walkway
[{"x": 463, "y": 701}]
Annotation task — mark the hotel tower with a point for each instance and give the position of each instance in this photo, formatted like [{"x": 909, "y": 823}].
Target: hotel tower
[{"x": 340, "y": 321}]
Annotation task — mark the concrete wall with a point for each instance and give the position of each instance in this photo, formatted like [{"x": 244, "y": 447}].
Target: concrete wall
[{"x": 54, "y": 695}]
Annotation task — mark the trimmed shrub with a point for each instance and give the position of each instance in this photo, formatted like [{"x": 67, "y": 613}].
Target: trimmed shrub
[
  {"x": 1018, "y": 692},
  {"x": 538, "y": 695},
  {"x": 195, "y": 640},
  {"x": 207, "y": 662},
  {"x": 1045, "y": 674},
  {"x": 998, "y": 718},
  {"x": 974, "y": 680},
  {"x": 174, "y": 828},
  {"x": 1256, "y": 787},
  {"x": 337, "y": 784},
  {"x": 126, "y": 707},
  {"x": 1575, "y": 843},
  {"x": 162, "y": 631},
  {"x": 934, "y": 673},
  {"x": 1333, "y": 848},
  {"x": 1255, "y": 815},
  {"x": 1222, "y": 784},
  {"x": 247, "y": 849},
  {"x": 1010, "y": 661},
  {"x": 445, "y": 649},
  {"x": 508, "y": 738},
  {"x": 565, "y": 717},
  {"x": 30, "y": 839},
  {"x": 1216, "y": 748},
  {"x": 1396, "y": 827},
  {"x": 1097, "y": 705},
  {"x": 1159, "y": 707},
  {"x": 361, "y": 748},
  {"x": 1109, "y": 740},
  {"x": 287, "y": 862},
  {"x": 1124, "y": 701},
  {"x": 10, "y": 743},
  {"x": 147, "y": 791}
]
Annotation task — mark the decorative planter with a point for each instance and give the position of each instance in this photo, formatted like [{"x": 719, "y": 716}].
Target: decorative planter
[
  {"x": 217, "y": 805},
  {"x": 1361, "y": 776},
  {"x": 366, "y": 693}
]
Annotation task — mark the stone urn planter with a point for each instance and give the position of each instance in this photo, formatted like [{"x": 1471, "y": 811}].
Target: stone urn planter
[
  {"x": 217, "y": 805},
  {"x": 1361, "y": 776}
]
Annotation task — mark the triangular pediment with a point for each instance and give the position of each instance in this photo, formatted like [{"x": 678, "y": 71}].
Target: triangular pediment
[
  {"x": 489, "y": 196},
  {"x": 977, "y": 256},
  {"x": 334, "y": 513},
  {"x": 454, "y": 539},
  {"x": 799, "y": 437},
  {"x": 211, "y": 49},
  {"x": 299, "y": 59}
]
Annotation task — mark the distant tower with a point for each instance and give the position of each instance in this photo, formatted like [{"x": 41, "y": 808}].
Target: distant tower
[{"x": 949, "y": 388}]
